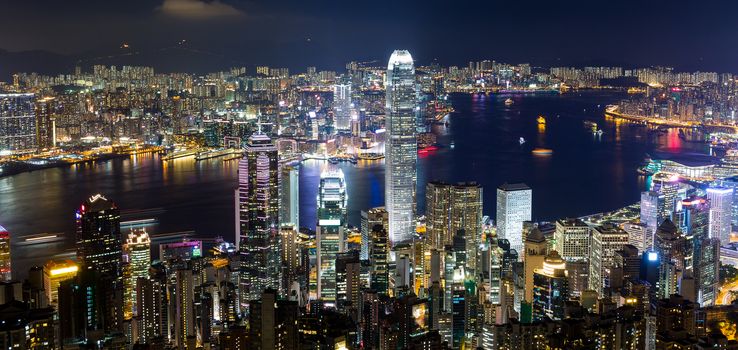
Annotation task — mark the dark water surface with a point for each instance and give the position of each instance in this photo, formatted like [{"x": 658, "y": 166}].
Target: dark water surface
[{"x": 585, "y": 174}]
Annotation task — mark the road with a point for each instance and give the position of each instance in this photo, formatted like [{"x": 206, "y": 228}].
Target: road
[{"x": 724, "y": 296}]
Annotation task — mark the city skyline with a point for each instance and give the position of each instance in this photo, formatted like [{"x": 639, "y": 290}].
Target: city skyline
[{"x": 259, "y": 206}]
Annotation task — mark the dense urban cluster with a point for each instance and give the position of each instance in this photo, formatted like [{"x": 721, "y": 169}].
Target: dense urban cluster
[{"x": 644, "y": 277}]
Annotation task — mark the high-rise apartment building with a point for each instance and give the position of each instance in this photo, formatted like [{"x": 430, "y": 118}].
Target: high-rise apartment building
[{"x": 17, "y": 123}]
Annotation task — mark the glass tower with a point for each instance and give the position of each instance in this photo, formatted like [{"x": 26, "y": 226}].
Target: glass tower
[
  {"x": 99, "y": 245},
  {"x": 257, "y": 229},
  {"x": 331, "y": 238},
  {"x": 514, "y": 205},
  {"x": 400, "y": 146}
]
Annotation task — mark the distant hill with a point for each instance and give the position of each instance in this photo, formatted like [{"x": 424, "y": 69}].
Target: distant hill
[{"x": 170, "y": 59}]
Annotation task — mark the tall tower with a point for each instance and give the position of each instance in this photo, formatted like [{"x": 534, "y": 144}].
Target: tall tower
[
  {"x": 289, "y": 206},
  {"x": 401, "y": 149},
  {"x": 257, "y": 215},
  {"x": 332, "y": 199},
  {"x": 5, "y": 273},
  {"x": 137, "y": 253},
  {"x": 514, "y": 203},
  {"x": 98, "y": 236},
  {"x": 721, "y": 207}
]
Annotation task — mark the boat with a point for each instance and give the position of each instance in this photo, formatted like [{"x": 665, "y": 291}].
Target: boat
[
  {"x": 522, "y": 140},
  {"x": 541, "y": 119},
  {"x": 508, "y": 102},
  {"x": 542, "y": 151},
  {"x": 599, "y": 132},
  {"x": 590, "y": 124}
]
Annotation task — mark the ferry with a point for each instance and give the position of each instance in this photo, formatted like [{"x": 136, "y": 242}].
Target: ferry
[
  {"x": 179, "y": 154},
  {"x": 370, "y": 156},
  {"x": 542, "y": 151},
  {"x": 508, "y": 102},
  {"x": 541, "y": 119},
  {"x": 215, "y": 153},
  {"x": 590, "y": 124}
]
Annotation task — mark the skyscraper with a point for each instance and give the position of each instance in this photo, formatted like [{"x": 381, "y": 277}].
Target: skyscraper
[
  {"x": 450, "y": 208},
  {"x": 330, "y": 233},
  {"x": 5, "y": 271},
  {"x": 514, "y": 205},
  {"x": 551, "y": 288},
  {"x": 342, "y": 106},
  {"x": 17, "y": 122},
  {"x": 374, "y": 216},
  {"x": 536, "y": 249},
  {"x": 99, "y": 245},
  {"x": 401, "y": 146},
  {"x": 652, "y": 211},
  {"x": 289, "y": 195},
  {"x": 137, "y": 253},
  {"x": 257, "y": 213},
  {"x": 721, "y": 206}
]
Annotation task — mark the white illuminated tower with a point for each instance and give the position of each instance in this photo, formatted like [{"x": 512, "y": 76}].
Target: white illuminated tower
[
  {"x": 514, "y": 205},
  {"x": 137, "y": 253},
  {"x": 330, "y": 233},
  {"x": 401, "y": 149},
  {"x": 721, "y": 206}
]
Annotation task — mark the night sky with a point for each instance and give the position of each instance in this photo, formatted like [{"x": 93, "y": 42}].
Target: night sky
[{"x": 689, "y": 35}]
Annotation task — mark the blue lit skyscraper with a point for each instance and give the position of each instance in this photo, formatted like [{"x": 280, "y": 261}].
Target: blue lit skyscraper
[{"x": 401, "y": 146}]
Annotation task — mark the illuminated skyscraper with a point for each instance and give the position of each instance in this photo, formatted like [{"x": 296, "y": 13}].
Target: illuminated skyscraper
[
  {"x": 289, "y": 205},
  {"x": 5, "y": 272},
  {"x": 551, "y": 288},
  {"x": 450, "y": 208},
  {"x": 137, "y": 253},
  {"x": 342, "y": 106},
  {"x": 536, "y": 249},
  {"x": 45, "y": 133},
  {"x": 401, "y": 146},
  {"x": 56, "y": 272},
  {"x": 330, "y": 232},
  {"x": 721, "y": 205},
  {"x": 257, "y": 212},
  {"x": 652, "y": 209},
  {"x": 99, "y": 245},
  {"x": 514, "y": 205},
  {"x": 374, "y": 216},
  {"x": 17, "y": 122}
]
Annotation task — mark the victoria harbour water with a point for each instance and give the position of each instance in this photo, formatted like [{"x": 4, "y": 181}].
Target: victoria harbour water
[{"x": 585, "y": 174}]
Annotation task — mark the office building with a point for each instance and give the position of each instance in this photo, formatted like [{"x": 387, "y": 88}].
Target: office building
[
  {"x": 99, "y": 244},
  {"x": 5, "y": 267},
  {"x": 401, "y": 146},
  {"x": 137, "y": 255},
  {"x": 257, "y": 213},
  {"x": 514, "y": 206},
  {"x": 652, "y": 210},
  {"x": 330, "y": 232},
  {"x": 721, "y": 206},
  {"x": 56, "y": 272},
  {"x": 550, "y": 288},
  {"x": 535, "y": 250},
  {"x": 289, "y": 196},
  {"x": 370, "y": 218},
  {"x": 451, "y": 208}
]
